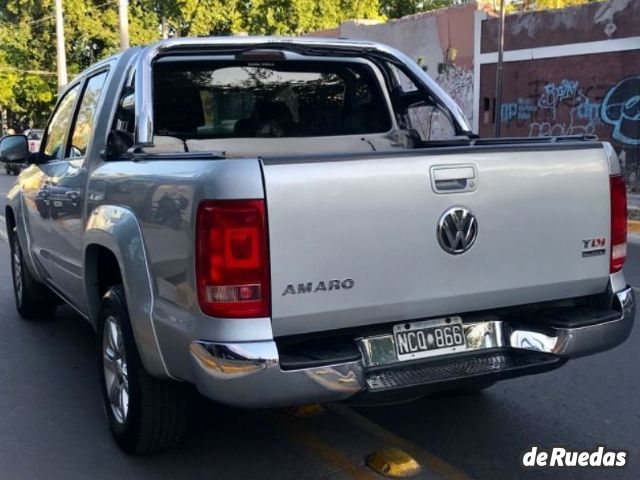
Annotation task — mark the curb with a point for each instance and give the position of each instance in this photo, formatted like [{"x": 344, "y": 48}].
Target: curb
[{"x": 633, "y": 231}]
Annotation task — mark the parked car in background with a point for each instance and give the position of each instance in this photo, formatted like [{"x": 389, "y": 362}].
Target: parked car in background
[
  {"x": 34, "y": 137},
  {"x": 272, "y": 221},
  {"x": 12, "y": 168}
]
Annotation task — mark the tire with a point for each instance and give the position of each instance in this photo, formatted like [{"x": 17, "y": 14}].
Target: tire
[
  {"x": 145, "y": 414},
  {"x": 33, "y": 299}
]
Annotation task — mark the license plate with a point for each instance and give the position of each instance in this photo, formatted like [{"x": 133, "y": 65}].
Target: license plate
[{"x": 429, "y": 337}]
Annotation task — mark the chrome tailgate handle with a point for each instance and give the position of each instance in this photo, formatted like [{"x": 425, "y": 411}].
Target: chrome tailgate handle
[{"x": 453, "y": 178}]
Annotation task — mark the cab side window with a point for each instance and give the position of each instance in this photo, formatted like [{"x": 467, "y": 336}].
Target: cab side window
[
  {"x": 59, "y": 125},
  {"x": 429, "y": 121},
  {"x": 83, "y": 126}
]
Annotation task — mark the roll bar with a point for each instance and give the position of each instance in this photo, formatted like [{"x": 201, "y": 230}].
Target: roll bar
[{"x": 317, "y": 46}]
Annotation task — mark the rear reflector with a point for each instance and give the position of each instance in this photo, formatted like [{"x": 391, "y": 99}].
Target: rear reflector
[
  {"x": 232, "y": 264},
  {"x": 618, "y": 223}
]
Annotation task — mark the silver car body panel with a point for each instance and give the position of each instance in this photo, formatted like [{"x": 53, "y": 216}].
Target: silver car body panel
[
  {"x": 168, "y": 240},
  {"x": 116, "y": 228},
  {"x": 374, "y": 220}
]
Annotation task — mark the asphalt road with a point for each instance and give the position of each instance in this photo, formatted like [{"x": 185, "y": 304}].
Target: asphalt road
[{"x": 52, "y": 424}]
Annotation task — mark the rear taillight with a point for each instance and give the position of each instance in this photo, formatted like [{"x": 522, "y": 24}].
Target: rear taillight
[
  {"x": 618, "y": 223},
  {"x": 232, "y": 263}
]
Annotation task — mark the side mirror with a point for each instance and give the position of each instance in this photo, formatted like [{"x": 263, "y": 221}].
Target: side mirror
[{"x": 14, "y": 149}]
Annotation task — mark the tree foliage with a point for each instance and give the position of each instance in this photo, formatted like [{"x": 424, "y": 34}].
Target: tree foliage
[
  {"x": 284, "y": 17},
  {"x": 28, "y": 48},
  {"x": 400, "y": 8},
  {"x": 27, "y": 33},
  {"x": 546, "y": 4}
]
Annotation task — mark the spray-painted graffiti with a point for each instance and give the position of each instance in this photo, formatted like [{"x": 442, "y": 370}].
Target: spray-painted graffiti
[
  {"x": 458, "y": 83},
  {"x": 582, "y": 117},
  {"x": 521, "y": 109},
  {"x": 566, "y": 108},
  {"x": 621, "y": 109}
]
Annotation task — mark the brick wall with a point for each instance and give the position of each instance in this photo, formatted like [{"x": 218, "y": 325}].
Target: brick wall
[{"x": 593, "y": 94}]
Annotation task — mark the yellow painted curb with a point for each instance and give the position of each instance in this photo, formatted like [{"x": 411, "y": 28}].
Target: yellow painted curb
[
  {"x": 393, "y": 462},
  {"x": 633, "y": 226}
]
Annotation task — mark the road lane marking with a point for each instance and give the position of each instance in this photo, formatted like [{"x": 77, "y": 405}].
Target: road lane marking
[
  {"x": 3, "y": 230},
  {"x": 425, "y": 457},
  {"x": 304, "y": 435}
]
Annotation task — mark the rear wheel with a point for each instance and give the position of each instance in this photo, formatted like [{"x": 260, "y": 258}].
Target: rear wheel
[
  {"x": 145, "y": 414},
  {"x": 33, "y": 299}
]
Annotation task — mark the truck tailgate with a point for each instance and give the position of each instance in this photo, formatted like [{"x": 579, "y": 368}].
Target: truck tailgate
[{"x": 353, "y": 240}]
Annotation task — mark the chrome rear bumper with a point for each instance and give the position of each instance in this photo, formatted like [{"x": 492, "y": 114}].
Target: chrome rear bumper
[{"x": 249, "y": 374}]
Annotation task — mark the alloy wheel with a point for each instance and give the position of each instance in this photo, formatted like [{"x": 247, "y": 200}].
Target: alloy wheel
[{"x": 116, "y": 375}]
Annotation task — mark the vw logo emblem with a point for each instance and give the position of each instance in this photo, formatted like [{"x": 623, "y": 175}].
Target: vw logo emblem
[{"x": 457, "y": 230}]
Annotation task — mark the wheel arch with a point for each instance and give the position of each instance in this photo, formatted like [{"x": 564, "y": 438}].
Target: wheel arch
[{"x": 114, "y": 252}]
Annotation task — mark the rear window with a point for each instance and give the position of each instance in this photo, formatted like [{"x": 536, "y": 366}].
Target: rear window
[{"x": 282, "y": 99}]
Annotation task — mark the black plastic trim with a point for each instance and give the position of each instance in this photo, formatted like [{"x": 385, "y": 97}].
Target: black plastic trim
[{"x": 441, "y": 148}]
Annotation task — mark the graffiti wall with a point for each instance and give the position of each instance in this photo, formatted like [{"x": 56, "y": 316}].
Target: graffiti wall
[
  {"x": 577, "y": 95},
  {"x": 441, "y": 41}
]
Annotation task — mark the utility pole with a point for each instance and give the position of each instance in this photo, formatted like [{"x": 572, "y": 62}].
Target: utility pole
[
  {"x": 165, "y": 28},
  {"x": 61, "y": 55},
  {"x": 123, "y": 10},
  {"x": 498, "y": 116}
]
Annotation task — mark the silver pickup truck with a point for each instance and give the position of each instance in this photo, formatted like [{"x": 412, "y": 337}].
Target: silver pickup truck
[{"x": 284, "y": 221}]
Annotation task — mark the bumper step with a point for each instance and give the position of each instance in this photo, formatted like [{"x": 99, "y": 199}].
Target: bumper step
[{"x": 502, "y": 364}]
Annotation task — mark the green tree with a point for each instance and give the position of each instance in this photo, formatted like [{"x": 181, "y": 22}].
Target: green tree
[
  {"x": 546, "y": 4},
  {"x": 199, "y": 17},
  {"x": 28, "y": 53},
  {"x": 525, "y": 5},
  {"x": 24, "y": 47},
  {"x": 400, "y": 8},
  {"x": 295, "y": 17},
  {"x": 27, "y": 35}
]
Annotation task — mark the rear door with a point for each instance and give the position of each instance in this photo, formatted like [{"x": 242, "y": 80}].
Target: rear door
[
  {"x": 356, "y": 240},
  {"x": 66, "y": 192}
]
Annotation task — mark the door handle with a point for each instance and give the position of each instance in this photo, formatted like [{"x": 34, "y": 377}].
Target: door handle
[{"x": 453, "y": 179}]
